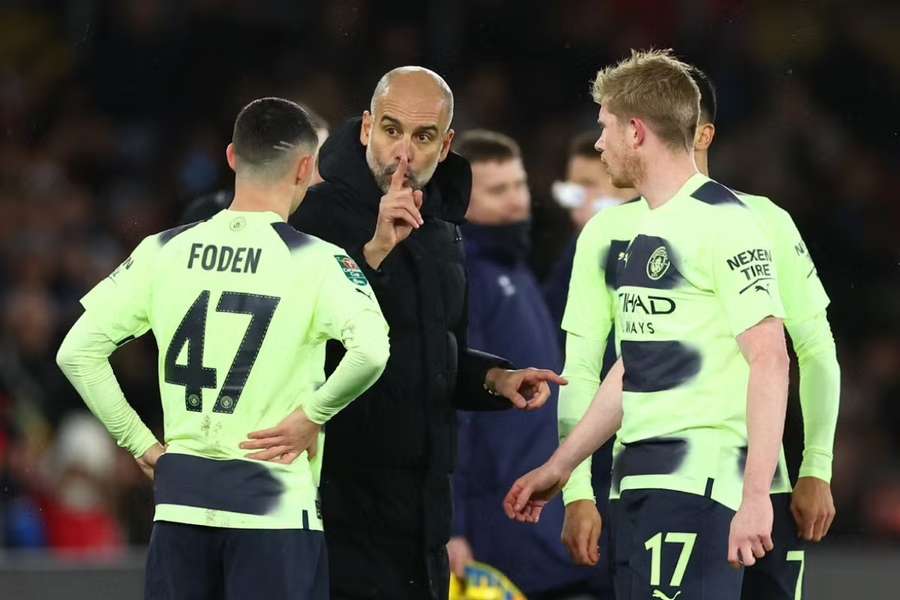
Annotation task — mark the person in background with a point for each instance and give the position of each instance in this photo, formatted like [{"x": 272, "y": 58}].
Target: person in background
[
  {"x": 586, "y": 191},
  {"x": 507, "y": 317}
]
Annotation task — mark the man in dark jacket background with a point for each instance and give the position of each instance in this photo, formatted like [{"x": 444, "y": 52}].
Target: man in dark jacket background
[
  {"x": 394, "y": 197},
  {"x": 508, "y": 316}
]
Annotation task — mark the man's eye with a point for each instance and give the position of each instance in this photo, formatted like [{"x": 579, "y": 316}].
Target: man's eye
[
  {"x": 391, "y": 130},
  {"x": 424, "y": 137}
]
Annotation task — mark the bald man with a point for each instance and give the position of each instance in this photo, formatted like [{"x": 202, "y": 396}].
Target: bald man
[{"x": 394, "y": 196}]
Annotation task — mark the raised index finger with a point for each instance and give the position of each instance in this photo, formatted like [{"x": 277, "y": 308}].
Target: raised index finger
[{"x": 399, "y": 176}]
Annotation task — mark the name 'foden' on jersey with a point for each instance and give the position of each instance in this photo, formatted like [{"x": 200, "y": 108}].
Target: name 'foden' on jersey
[{"x": 224, "y": 258}]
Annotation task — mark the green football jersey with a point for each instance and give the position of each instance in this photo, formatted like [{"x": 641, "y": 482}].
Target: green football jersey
[
  {"x": 241, "y": 307},
  {"x": 699, "y": 271}
]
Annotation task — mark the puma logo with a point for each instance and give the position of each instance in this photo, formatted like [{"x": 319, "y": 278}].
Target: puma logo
[
  {"x": 658, "y": 595},
  {"x": 760, "y": 288},
  {"x": 364, "y": 294}
]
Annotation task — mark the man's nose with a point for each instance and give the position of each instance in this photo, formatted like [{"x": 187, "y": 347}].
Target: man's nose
[{"x": 403, "y": 149}]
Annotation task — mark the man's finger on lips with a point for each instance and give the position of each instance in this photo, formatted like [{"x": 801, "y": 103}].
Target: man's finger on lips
[
  {"x": 401, "y": 214},
  {"x": 399, "y": 176}
]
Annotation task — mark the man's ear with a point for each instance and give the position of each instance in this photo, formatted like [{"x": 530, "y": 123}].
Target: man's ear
[
  {"x": 445, "y": 146},
  {"x": 305, "y": 168},
  {"x": 704, "y": 138},
  {"x": 637, "y": 132},
  {"x": 231, "y": 157},
  {"x": 365, "y": 132}
]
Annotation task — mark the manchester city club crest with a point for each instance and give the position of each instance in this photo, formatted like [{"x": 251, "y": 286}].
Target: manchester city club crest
[{"x": 658, "y": 263}]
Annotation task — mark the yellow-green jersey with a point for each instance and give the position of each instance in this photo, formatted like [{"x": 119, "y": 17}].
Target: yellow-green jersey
[
  {"x": 241, "y": 307},
  {"x": 697, "y": 272}
]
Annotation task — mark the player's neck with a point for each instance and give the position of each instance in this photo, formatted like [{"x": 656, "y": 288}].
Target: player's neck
[
  {"x": 259, "y": 199},
  {"x": 665, "y": 176}
]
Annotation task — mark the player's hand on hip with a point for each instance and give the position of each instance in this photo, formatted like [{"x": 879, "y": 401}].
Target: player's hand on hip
[
  {"x": 813, "y": 508},
  {"x": 398, "y": 215},
  {"x": 147, "y": 461},
  {"x": 581, "y": 532},
  {"x": 751, "y": 531},
  {"x": 286, "y": 441},
  {"x": 527, "y": 389},
  {"x": 531, "y": 492},
  {"x": 460, "y": 554}
]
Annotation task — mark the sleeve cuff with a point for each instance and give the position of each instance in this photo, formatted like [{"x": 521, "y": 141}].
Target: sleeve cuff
[
  {"x": 579, "y": 485},
  {"x": 376, "y": 277},
  {"x": 578, "y": 491},
  {"x": 816, "y": 464},
  {"x": 139, "y": 448}
]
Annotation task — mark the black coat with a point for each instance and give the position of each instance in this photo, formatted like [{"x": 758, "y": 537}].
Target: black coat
[{"x": 398, "y": 440}]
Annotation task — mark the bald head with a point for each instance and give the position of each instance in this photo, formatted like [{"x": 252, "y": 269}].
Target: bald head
[{"x": 415, "y": 85}]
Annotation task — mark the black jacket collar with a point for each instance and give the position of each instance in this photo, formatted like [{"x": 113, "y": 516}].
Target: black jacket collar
[{"x": 342, "y": 162}]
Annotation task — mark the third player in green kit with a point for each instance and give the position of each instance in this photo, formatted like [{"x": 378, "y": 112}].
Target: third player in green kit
[{"x": 699, "y": 392}]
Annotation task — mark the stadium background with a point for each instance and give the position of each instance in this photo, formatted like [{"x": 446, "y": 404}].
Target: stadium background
[{"x": 114, "y": 114}]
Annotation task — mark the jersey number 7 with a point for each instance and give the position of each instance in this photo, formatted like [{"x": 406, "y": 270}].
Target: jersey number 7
[{"x": 192, "y": 331}]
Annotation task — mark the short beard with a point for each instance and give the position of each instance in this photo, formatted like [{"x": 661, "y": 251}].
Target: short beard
[
  {"x": 383, "y": 174},
  {"x": 633, "y": 170}
]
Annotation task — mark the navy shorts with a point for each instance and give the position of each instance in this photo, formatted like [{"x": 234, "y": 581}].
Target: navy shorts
[
  {"x": 669, "y": 545},
  {"x": 779, "y": 575},
  {"x": 192, "y": 562}
]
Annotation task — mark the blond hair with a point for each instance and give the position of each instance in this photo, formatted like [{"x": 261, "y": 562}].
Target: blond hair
[{"x": 656, "y": 87}]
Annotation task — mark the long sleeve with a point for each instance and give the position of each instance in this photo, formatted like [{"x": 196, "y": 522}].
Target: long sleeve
[
  {"x": 348, "y": 311},
  {"x": 820, "y": 383},
  {"x": 584, "y": 358},
  {"x": 84, "y": 358},
  {"x": 473, "y": 367}
]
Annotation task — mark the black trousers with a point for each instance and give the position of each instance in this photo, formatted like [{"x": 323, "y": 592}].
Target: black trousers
[
  {"x": 191, "y": 562},
  {"x": 367, "y": 566},
  {"x": 779, "y": 574}
]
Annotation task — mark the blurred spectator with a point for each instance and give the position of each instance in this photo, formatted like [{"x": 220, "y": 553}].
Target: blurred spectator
[
  {"x": 507, "y": 315},
  {"x": 78, "y": 502},
  {"x": 586, "y": 191}
]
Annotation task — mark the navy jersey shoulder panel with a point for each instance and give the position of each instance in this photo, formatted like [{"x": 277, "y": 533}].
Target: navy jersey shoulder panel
[
  {"x": 166, "y": 236},
  {"x": 292, "y": 238},
  {"x": 649, "y": 262},
  {"x": 713, "y": 192}
]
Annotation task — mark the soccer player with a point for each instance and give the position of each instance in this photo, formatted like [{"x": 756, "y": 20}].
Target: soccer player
[
  {"x": 698, "y": 395},
  {"x": 241, "y": 307},
  {"x": 805, "y": 515}
]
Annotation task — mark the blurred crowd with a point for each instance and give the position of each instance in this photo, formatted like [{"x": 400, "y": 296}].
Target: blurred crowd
[{"x": 113, "y": 115}]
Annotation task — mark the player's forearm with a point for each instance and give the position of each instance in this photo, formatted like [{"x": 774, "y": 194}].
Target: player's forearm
[
  {"x": 84, "y": 359},
  {"x": 766, "y": 406},
  {"x": 366, "y": 340},
  {"x": 599, "y": 423},
  {"x": 820, "y": 383},
  {"x": 584, "y": 359}
]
